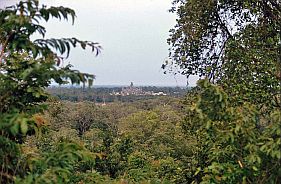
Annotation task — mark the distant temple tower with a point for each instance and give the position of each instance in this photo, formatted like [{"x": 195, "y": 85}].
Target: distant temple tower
[{"x": 131, "y": 90}]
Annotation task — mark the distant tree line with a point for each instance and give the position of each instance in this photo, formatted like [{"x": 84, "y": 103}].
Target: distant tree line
[{"x": 105, "y": 94}]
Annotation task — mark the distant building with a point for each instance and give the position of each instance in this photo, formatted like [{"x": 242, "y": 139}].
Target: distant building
[
  {"x": 132, "y": 90},
  {"x": 160, "y": 94}
]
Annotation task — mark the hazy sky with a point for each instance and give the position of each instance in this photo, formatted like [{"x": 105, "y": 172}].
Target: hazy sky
[{"x": 133, "y": 35}]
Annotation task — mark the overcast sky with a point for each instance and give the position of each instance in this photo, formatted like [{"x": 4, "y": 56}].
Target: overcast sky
[{"x": 133, "y": 35}]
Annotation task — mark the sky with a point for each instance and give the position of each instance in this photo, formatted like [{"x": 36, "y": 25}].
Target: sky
[{"x": 133, "y": 36}]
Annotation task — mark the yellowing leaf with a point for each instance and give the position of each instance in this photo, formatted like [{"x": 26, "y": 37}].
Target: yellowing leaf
[{"x": 24, "y": 126}]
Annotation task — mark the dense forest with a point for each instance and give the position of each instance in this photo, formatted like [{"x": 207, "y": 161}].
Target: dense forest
[{"x": 227, "y": 129}]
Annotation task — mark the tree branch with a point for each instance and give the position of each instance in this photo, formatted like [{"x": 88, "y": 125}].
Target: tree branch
[
  {"x": 3, "y": 50},
  {"x": 4, "y": 47},
  {"x": 222, "y": 25}
]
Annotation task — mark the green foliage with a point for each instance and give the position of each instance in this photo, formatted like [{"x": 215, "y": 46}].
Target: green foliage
[
  {"x": 56, "y": 166},
  {"x": 10, "y": 159},
  {"x": 202, "y": 31},
  {"x": 233, "y": 43},
  {"x": 84, "y": 117},
  {"x": 158, "y": 132},
  {"x": 236, "y": 45},
  {"x": 255, "y": 74},
  {"x": 221, "y": 142},
  {"x": 232, "y": 143},
  {"x": 27, "y": 67},
  {"x": 120, "y": 157}
]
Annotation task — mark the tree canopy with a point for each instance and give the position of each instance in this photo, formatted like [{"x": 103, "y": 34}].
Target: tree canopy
[
  {"x": 235, "y": 46},
  {"x": 27, "y": 67},
  {"x": 203, "y": 32},
  {"x": 232, "y": 43}
]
